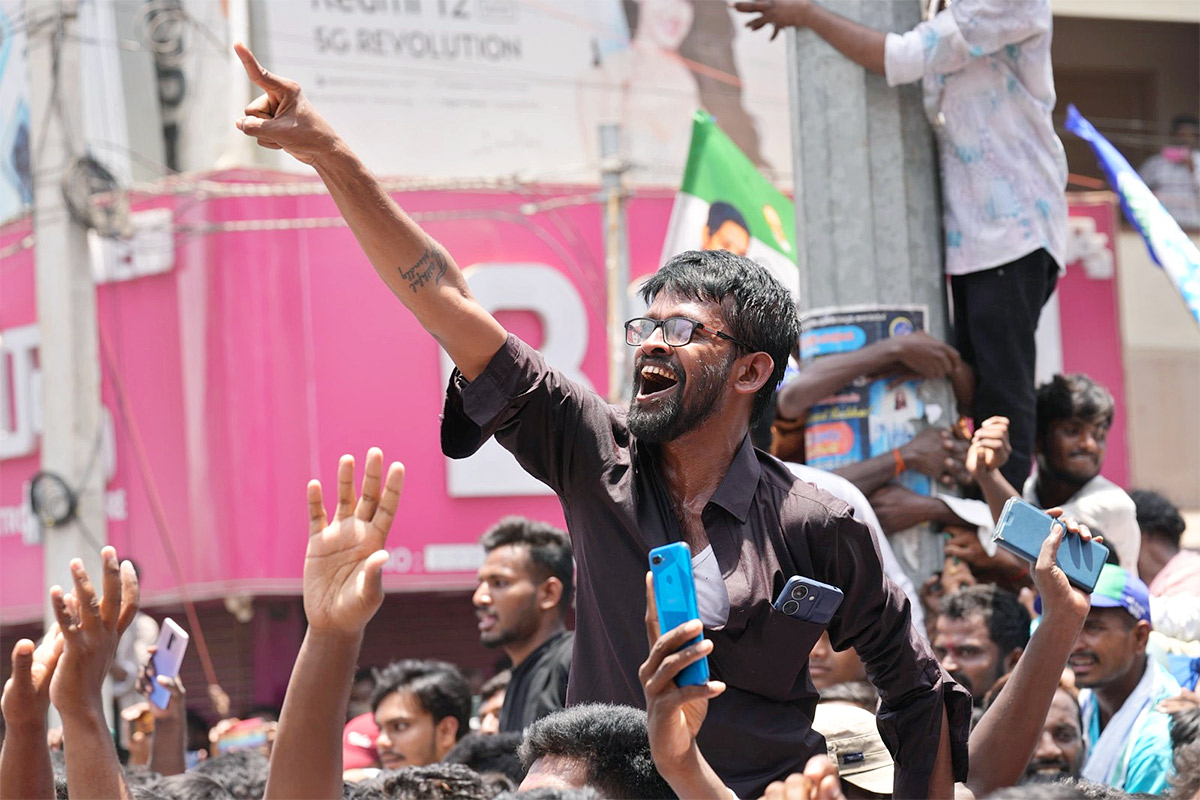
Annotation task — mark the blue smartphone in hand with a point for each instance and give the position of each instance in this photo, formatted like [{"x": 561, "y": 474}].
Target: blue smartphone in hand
[
  {"x": 1022, "y": 528},
  {"x": 675, "y": 597}
]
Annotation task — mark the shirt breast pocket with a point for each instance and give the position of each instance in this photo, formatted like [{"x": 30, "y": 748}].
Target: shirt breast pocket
[{"x": 769, "y": 657}]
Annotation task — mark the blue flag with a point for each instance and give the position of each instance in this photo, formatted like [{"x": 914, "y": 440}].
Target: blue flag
[{"x": 1169, "y": 246}]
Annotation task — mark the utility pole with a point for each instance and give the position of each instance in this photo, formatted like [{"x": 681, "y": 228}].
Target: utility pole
[
  {"x": 66, "y": 298},
  {"x": 868, "y": 216},
  {"x": 616, "y": 256},
  {"x": 868, "y": 211}
]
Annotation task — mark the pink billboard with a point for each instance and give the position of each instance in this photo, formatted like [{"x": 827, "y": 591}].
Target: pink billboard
[
  {"x": 266, "y": 347},
  {"x": 260, "y": 356}
]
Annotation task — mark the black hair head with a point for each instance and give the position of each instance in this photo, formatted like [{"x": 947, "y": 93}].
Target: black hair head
[
  {"x": 1157, "y": 516},
  {"x": 1074, "y": 396},
  {"x": 610, "y": 741},
  {"x": 757, "y": 308},
  {"x": 242, "y": 772},
  {"x": 438, "y": 781},
  {"x": 549, "y": 550},
  {"x": 439, "y": 687},
  {"x": 1006, "y": 619},
  {"x": 495, "y": 684},
  {"x": 490, "y": 753}
]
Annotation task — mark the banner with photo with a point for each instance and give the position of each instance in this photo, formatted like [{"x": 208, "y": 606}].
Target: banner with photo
[
  {"x": 497, "y": 88},
  {"x": 868, "y": 417},
  {"x": 725, "y": 204}
]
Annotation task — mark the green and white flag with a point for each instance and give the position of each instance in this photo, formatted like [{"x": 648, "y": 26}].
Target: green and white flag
[{"x": 724, "y": 203}]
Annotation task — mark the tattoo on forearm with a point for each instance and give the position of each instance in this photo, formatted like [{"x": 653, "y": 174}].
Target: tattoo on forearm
[{"x": 429, "y": 269}]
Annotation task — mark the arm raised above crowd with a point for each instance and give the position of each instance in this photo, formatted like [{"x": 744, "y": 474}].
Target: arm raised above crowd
[
  {"x": 343, "y": 588},
  {"x": 1006, "y": 736},
  {"x": 91, "y": 627},
  {"x": 415, "y": 267},
  {"x": 989, "y": 451},
  {"x": 25, "y": 769}
]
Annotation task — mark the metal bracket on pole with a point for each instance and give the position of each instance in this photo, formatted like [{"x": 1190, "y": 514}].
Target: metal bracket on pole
[{"x": 613, "y": 166}]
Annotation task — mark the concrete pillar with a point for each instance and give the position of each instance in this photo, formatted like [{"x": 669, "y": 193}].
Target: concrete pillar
[
  {"x": 868, "y": 210},
  {"x": 868, "y": 214}
]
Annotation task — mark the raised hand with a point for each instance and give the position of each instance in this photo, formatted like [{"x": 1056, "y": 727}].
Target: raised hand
[
  {"x": 343, "y": 566},
  {"x": 27, "y": 692},
  {"x": 674, "y": 714},
  {"x": 779, "y": 13},
  {"x": 283, "y": 119},
  {"x": 91, "y": 628},
  {"x": 990, "y": 447}
]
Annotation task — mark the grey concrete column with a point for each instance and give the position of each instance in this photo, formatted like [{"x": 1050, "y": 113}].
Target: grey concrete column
[{"x": 868, "y": 214}]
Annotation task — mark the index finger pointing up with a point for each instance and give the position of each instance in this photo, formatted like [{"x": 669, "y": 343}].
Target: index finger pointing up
[{"x": 261, "y": 78}]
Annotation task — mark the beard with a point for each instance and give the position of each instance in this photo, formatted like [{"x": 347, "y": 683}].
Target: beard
[
  {"x": 1033, "y": 775},
  {"x": 675, "y": 416}
]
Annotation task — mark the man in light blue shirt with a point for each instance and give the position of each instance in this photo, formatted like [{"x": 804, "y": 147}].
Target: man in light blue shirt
[{"x": 1129, "y": 743}]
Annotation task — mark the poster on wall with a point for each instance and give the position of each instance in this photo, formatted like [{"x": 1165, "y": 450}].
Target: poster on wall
[
  {"x": 502, "y": 88},
  {"x": 868, "y": 417}
]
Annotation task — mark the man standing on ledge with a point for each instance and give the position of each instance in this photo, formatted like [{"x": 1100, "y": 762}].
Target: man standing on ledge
[
  {"x": 678, "y": 465},
  {"x": 984, "y": 66}
]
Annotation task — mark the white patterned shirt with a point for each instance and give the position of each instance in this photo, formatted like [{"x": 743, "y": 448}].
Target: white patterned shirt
[{"x": 989, "y": 90}]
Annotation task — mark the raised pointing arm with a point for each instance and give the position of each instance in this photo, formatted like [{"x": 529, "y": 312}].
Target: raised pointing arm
[
  {"x": 1006, "y": 736},
  {"x": 415, "y": 267}
]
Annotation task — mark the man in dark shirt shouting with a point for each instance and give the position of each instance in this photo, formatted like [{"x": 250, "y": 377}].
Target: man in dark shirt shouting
[{"x": 676, "y": 465}]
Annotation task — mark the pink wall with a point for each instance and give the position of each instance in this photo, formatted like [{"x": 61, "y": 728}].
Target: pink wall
[
  {"x": 261, "y": 357},
  {"x": 1091, "y": 330}
]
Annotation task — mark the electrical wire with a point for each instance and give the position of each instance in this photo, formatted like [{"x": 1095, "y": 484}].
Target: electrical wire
[{"x": 156, "y": 508}]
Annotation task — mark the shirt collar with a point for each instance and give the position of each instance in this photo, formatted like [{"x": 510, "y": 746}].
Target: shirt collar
[{"x": 735, "y": 493}]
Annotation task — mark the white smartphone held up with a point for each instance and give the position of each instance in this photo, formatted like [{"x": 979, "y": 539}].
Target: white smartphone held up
[{"x": 168, "y": 658}]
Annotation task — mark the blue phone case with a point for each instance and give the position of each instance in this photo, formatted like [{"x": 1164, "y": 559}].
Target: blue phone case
[
  {"x": 809, "y": 600},
  {"x": 675, "y": 597},
  {"x": 1022, "y": 528}
]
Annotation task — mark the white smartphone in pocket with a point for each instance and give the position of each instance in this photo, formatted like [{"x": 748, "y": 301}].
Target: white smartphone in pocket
[{"x": 168, "y": 658}]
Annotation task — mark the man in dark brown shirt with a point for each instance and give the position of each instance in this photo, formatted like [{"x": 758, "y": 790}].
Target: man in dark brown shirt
[{"x": 677, "y": 465}]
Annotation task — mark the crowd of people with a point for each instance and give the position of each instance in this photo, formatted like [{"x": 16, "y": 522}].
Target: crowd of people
[{"x": 989, "y": 677}]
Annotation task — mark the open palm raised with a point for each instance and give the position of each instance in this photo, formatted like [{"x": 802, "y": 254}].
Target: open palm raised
[{"x": 343, "y": 566}]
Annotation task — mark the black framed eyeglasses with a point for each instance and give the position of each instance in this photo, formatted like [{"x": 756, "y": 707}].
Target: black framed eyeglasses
[{"x": 676, "y": 331}]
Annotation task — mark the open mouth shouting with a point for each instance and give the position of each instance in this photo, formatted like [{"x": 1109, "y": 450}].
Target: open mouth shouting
[{"x": 655, "y": 382}]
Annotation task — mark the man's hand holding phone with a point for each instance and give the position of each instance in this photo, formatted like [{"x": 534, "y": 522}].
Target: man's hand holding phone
[
  {"x": 675, "y": 713},
  {"x": 1059, "y": 597}
]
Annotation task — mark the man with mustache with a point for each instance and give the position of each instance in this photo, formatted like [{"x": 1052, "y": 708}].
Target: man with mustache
[
  {"x": 979, "y": 635},
  {"x": 1060, "y": 749},
  {"x": 1129, "y": 743},
  {"x": 676, "y": 465},
  {"x": 1074, "y": 415}
]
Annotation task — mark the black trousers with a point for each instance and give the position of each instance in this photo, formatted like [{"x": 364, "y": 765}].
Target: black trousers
[{"x": 995, "y": 315}]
